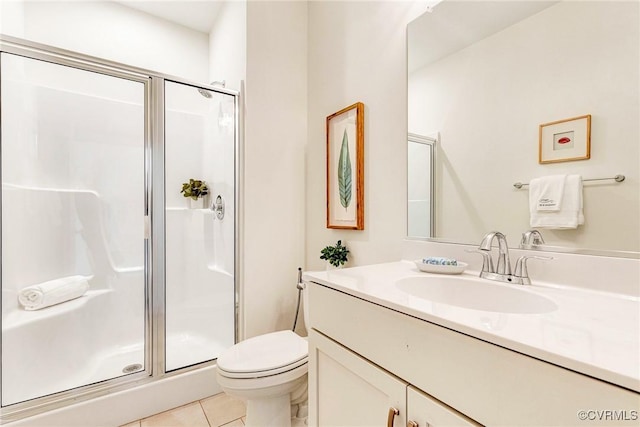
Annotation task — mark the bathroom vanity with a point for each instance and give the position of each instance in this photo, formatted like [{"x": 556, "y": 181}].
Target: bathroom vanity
[{"x": 390, "y": 344}]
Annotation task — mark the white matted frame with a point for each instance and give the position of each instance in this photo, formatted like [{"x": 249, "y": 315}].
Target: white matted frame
[
  {"x": 565, "y": 140},
  {"x": 345, "y": 168}
]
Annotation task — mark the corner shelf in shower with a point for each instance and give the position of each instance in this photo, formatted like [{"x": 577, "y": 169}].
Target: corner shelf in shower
[
  {"x": 204, "y": 210},
  {"x": 215, "y": 268},
  {"x": 10, "y": 186},
  {"x": 20, "y": 317}
]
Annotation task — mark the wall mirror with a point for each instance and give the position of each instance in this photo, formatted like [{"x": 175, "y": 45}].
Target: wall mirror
[{"x": 484, "y": 75}]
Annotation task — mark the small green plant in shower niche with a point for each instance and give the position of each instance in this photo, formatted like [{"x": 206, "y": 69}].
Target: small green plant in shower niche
[
  {"x": 194, "y": 189},
  {"x": 336, "y": 255}
]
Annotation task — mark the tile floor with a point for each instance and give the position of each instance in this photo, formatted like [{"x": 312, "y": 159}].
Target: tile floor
[{"x": 215, "y": 411}]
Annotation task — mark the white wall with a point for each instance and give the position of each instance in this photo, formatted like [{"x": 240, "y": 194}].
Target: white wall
[
  {"x": 111, "y": 31},
  {"x": 521, "y": 77},
  {"x": 275, "y": 133},
  {"x": 228, "y": 45},
  {"x": 357, "y": 52}
]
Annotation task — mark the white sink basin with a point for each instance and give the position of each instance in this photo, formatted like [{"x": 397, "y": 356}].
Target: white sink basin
[{"x": 475, "y": 294}]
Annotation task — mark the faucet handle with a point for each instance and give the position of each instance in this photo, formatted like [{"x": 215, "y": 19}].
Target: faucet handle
[
  {"x": 487, "y": 262},
  {"x": 521, "y": 264}
]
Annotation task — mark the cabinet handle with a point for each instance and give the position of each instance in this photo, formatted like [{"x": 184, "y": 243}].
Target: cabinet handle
[
  {"x": 412, "y": 424},
  {"x": 392, "y": 414}
]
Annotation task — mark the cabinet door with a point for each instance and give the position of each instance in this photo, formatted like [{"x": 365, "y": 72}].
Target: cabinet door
[
  {"x": 346, "y": 390},
  {"x": 425, "y": 411}
]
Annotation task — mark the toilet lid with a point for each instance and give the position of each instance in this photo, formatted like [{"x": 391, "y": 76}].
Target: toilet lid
[{"x": 264, "y": 355}]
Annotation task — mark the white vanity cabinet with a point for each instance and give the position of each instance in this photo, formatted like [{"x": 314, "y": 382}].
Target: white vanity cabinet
[
  {"x": 351, "y": 391},
  {"x": 365, "y": 358}
]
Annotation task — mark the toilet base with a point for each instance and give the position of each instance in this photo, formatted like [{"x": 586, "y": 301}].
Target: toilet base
[
  {"x": 275, "y": 411},
  {"x": 270, "y": 406}
]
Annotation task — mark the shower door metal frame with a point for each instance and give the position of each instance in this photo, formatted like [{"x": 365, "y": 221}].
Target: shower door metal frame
[
  {"x": 154, "y": 211},
  {"x": 431, "y": 141}
]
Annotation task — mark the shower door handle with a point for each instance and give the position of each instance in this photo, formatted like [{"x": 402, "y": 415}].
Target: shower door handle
[
  {"x": 217, "y": 206},
  {"x": 147, "y": 227}
]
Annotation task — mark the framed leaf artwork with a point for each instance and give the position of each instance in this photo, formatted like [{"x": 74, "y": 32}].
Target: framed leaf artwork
[{"x": 345, "y": 168}]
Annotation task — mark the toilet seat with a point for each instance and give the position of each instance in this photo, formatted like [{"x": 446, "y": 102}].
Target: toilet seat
[{"x": 264, "y": 356}]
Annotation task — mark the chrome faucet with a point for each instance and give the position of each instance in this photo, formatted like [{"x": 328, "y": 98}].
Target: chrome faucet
[
  {"x": 502, "y": 271},
  {"x": 530, "y": 239},
  {"x": 503, "y": 265}
]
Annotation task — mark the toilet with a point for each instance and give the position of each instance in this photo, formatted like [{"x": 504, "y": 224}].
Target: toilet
[{"x": 269, "y": 373}]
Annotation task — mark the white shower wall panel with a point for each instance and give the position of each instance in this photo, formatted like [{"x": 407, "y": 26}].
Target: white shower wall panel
[
  {"x": 218, "y": 161},
  {"x": 200, "y": 145},
  {"x": 68, "y": 346},
  {"x": 200, "y": 247},
  {"x": 56, "y": 141},
  {"x": 199, "y": 296},
  {"x": 184, "y": 135},
  {"x": 73, "y": 191},
  {"x": 39, "y": 244}
]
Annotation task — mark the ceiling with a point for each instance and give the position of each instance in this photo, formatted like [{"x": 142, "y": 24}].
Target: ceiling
[
  {"x": 197, "y": 15},
  {"x": 454, "y": 25}
]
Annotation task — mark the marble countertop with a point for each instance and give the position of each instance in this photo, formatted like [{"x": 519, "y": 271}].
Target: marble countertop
[{"x": 592, "y": 332}]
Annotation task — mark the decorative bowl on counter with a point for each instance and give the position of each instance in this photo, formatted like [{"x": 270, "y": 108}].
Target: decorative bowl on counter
[{"x": 441, "y": 269}]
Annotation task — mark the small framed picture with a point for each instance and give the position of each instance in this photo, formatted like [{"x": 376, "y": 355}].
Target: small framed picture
[
  {"x": 345, "y": 168},
  {"x": 565, "y": 140}
]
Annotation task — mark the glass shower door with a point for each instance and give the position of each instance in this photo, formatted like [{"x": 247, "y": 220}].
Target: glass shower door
[
  {"x": 200, "y": 243},
  {"x": 421, "y": 186},
  {"x": 73, "y": 244}
]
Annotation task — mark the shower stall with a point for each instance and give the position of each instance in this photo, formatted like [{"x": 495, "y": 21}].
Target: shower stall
[{"x": 93, "y": 158}]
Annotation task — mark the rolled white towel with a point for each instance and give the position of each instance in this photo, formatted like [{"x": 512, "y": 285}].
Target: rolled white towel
[{"x": 53, "y": 292}]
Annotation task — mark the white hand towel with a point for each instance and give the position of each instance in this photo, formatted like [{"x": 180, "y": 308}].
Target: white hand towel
[
  {"x": 570, "y": 213},
  {"x": 53, "y": 292},
  {"x": 545, "y": 194}
]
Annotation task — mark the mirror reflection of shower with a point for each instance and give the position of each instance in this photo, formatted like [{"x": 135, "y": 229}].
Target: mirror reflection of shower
[
  {"x": 206, "y": 93},
  {"x": 421, "y": 172}
]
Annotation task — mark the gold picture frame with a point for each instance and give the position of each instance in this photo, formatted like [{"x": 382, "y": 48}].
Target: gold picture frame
[
  {"x": 345, "y": 168},
  {"x": 565, "y": 140}
]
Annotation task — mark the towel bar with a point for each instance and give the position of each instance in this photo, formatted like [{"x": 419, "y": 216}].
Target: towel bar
[{"x": 617, "y": 178}]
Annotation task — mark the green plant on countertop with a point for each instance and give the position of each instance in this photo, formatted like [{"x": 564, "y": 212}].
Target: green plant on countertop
[
  {"x": 194, "y": 189},
  {"x": 336, "y": 255}
]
